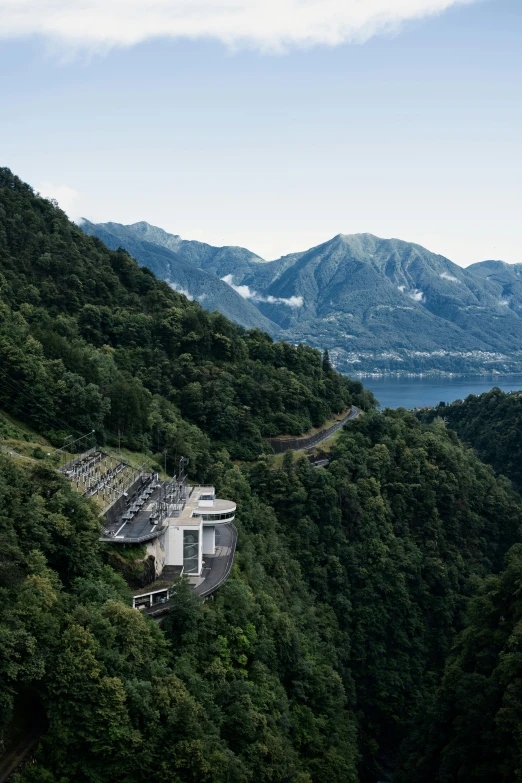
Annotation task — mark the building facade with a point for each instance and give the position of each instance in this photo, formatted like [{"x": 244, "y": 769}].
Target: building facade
[{"x": 191, "y": 532}]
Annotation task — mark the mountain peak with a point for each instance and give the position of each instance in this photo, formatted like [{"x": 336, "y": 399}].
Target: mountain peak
[
  {"x": 373, "y": 302},
  {"x": 147, "y": 229}
]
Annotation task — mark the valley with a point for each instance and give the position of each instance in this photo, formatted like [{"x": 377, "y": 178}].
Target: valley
[
  {"x": 261, "y": 391},
  {"x": 378, "y": 306},
  {"x": 322, "y": 621}
]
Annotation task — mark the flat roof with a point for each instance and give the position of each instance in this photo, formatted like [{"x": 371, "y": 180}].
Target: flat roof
[
  {"x": 140, "y": 528},
  {"x": 192, "y": 504}
]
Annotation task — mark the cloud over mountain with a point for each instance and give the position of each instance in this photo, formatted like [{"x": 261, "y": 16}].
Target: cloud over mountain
[
  {"x": 268, "y": 25},
  {"x": 181, "y": 290},
  {"x": 246, "y": 292},
  {"x": 377, "y": 305}
]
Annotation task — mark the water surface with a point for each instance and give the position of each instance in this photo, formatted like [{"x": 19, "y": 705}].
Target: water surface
[{"x": 420, "y": 392}]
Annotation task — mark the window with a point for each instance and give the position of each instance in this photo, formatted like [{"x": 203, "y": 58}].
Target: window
[
  {"x": 191, "y": 551},
  {"x": 216, "y": 517}
]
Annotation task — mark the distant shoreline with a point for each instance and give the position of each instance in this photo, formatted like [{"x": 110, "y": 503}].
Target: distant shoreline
[
  {"x": 431, "y": 374},
  {"x": 428, "y": 390}
]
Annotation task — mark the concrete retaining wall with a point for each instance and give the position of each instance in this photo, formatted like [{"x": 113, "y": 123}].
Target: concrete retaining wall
[{"x": 280, "y": 445}]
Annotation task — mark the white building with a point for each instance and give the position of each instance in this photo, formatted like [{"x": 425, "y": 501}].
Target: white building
[
  {"x": 186, "y": 544},
  {"x": 191, "y": 531},
  {"x": 178, "y": 524}
]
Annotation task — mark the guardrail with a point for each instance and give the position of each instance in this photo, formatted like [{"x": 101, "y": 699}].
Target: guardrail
[
  {"x": 135, "y": 540},
  {"x": 280, "y": 445}
]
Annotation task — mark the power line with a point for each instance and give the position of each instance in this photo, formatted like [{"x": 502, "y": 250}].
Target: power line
[{"x": 15, "y": 387}]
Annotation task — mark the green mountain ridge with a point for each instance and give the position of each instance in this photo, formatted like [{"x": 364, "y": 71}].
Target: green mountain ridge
[
  {"x": 491, "y": 423},
  {"x": 371, "y": 619},
  {"x": 174, "y": 267},
  {"x": 93, "y": 341},
  {"x": 375, "y": 304}
]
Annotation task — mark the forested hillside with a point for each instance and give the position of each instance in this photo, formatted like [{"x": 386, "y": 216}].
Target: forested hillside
[
  {"x": 492, "y": 424},
  {"x": 313, "y": 663},
  {"x": 333, "y": 649},
  {"x": 472, "y": 729},
  {"x": 376, "y": 304},
  {"x": 183, "y": 273},
  {"x": 89, "y": 340},
  {"x": 393, "y": 537},
  {"x": 244, "y": 688}
]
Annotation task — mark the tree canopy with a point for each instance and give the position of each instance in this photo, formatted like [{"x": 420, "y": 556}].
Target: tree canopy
[
  {"x": 492, "y": 424},
  {"x": 372, "y": 613},
  {"x": 90, "y": 340}
]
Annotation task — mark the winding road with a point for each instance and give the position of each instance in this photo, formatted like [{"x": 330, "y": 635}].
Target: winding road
[
  {"x": 218, "y": 567},
  {"x": 308, "y": 442}
]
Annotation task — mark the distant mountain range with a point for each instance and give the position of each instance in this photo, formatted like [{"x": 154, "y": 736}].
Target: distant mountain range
[{"x": 377, "y": 305}]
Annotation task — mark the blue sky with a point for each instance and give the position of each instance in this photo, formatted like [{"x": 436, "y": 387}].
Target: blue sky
[{"x": 414, "y": 133}]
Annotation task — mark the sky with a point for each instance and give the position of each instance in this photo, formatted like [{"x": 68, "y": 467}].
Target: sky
[{"x": 273, "y": 125}]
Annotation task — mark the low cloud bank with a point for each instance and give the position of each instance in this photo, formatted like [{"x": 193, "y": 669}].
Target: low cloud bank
[
  {"x": 415, "y": 293},
  {"x": 180, "y": 290},
  {"x": 266, "y": 25},
  {"x": 247, "y": 293}
]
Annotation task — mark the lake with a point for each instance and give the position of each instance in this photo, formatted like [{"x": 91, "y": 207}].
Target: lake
[{"x": 419, "y": 392}]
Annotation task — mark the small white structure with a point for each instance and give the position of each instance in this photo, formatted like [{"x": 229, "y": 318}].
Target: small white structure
[{"x": 191, "y": 531}]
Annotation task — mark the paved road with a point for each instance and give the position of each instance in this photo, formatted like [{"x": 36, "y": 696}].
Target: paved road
[
  {"x": 280, "y": 446},
  {"x": 218, "y": 566},
  {"x": 352, "y": 415},
  {"x": 321, "y": 463}
]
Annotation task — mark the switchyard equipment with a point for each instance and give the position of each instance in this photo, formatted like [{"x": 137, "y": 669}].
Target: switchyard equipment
[
  {"x": 185, "y": 529},
  {"x": 96, "y": 474}
]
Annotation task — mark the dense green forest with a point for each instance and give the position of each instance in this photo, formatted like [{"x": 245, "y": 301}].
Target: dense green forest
[
  {"x": 371, "y": 617},
  {"x": 472, "y": 730},
  {"x": 242, "y": 688},
  {"x": 393, "y": 537},
  {"x": 89, "y": 340},
  {"x": 492, "y": 424},
  {"x": 314, "y": 661}
]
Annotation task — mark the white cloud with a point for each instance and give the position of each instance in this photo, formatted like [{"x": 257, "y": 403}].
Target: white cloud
[
  {"x": 504, "y": 302},
  {"x": 242, "y": 290},
  {"x": 270, "y": 25},
  {"x": 293, "y": 301},
  {"x": 63, "y": 194},
  {"x": 181, "y": 290},
  {"x": 247, "y": 293},
  {"x": 415, "y": 293},
  {"x": 447, "y": 276}
]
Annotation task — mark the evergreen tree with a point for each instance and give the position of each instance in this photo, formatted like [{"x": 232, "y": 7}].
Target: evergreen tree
[{"x": 327, "y": 367}]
